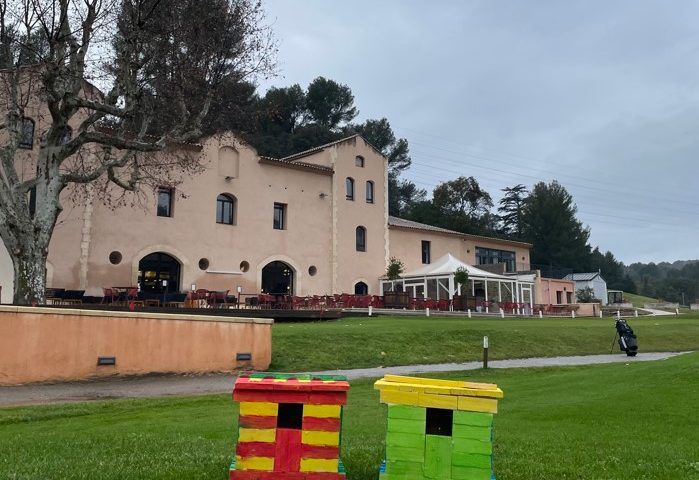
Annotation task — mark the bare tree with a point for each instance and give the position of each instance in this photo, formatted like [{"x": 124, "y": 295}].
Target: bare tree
[{"x": 116, "y": 84}]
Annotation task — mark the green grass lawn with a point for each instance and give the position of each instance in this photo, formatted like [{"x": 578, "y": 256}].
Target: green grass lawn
[
  {"x": 387, "y": 341},
  {"x": 638, "y": 300},
  {"x": 590, "y": 423}
]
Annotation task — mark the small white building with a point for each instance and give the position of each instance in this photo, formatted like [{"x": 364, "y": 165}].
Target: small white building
[{"x": 592, "y": 280}]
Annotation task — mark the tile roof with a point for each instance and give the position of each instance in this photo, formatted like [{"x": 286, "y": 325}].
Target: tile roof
[
  {"x": 409, "y": 224},
  {"x": 297, "y": 165}
]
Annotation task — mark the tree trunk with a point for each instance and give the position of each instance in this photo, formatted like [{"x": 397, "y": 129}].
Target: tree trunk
[{"x": 30, "y": 276}]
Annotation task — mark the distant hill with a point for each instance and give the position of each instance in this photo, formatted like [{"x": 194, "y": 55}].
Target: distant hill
[{"x": 675, "y": 282}]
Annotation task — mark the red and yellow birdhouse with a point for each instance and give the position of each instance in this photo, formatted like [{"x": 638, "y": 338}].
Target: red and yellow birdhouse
[{"x": 289, "y": 427}]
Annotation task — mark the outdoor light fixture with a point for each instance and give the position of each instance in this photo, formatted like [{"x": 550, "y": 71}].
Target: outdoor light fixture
[
  {"x": 106, "y": 361},
  {"x": 241, "y": 357},
  {"x": 194, "y": 286}
]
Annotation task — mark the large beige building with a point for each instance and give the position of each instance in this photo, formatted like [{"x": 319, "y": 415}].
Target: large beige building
[{"x": 313, "y": 223}]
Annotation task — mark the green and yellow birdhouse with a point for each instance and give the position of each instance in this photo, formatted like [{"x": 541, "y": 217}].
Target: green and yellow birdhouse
[{"x": 438, "y": 429}]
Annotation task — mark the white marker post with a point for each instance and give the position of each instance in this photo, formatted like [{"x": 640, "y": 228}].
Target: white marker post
[
  {"x": 618, "y": 314},
  {"x": 541, "y": 315},
  {"x": 469, "y": 313},
  {"x": 485, "y": 352},
  {"x": 572, "y": 313},
  {"x": 635, "y": 313},
  {"x": 371, "y": 310},
  {"x": 600, "y": 314},
  {"x": 502, "y": 313},
  {"x": 427, "y": 312}
]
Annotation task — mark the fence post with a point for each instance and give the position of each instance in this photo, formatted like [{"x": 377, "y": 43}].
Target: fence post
[
  {"x": 427, "y": 312},
  {"x": 600, "y": 313},
  {"x": 469, "y": 313},
  {"x": 485, "y": 352},
  {"x": 635, "y": 313},
  {"x": 371, "y": 310},
  {"x": 618, "y": 314},
  {"x": 541, "y": 315},
  {"x": 502, "y": 313},
  {"x": 572, "y": 313}
]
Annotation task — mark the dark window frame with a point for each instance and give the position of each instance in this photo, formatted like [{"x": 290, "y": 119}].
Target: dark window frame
[
  {"x": 426, "y": 252},
  {"x": 159, "y": 207},
  {"x": 369, "y": 191},
  {"x": 349, "y": 188},
  {"x": 490, "y": 256},
  {"x": 359, "y": 161},
  {"x": 21, "y": 143},
  {"x": 222, "y": 200},
  {"x": 360, "y": 239},
  {"x": 279, "y": 223}
]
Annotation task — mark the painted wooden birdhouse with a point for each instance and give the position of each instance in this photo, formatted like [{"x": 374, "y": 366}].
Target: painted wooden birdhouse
[
  {"x": 289, "y": 427},
  {"x": 438, "y": 429}
]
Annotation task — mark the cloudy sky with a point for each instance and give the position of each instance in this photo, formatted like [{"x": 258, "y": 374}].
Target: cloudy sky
[{"x": 602, "y": 96}]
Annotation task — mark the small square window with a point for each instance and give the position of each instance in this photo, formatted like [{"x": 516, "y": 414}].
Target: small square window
[
  {"x": 359, "y": 161},
  {"x": 439, "y": 422},
  {"x": 290, "y": 415}
]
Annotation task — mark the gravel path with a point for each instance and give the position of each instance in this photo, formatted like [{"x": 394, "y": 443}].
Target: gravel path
[{"x": 164, "y": 385}]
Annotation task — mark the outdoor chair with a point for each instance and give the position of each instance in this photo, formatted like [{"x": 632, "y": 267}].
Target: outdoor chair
[
  {"x": 108, "y": 296},
  {"x": 218, "y": 299}
]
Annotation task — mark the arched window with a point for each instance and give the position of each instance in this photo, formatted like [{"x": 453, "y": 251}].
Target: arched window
[
  {"x": 349, "y": 186},
  {"x": 359, "y": 161},
  {"x": 369, "y": 192},
  {"x": 225, "y": 209},
  {"x": 361, "y": 288},
  {"x": 26, "y": 134},
  {"x": 361, "y": 239}
]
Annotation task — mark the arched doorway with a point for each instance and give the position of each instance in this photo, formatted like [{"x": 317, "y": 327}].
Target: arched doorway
[
  {"x": 156, "y": 268},
  {"x": 361, "y": 288},
  {"x": 278, "y": 278}
]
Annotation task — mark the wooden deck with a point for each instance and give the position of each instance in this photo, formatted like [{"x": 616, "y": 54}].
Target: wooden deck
[{"x": 279, "y": 315}]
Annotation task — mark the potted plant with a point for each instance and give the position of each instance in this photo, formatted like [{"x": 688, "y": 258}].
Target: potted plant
[
  {"x": 461, "y": 280},
  {"x": 395, "y": 299}
]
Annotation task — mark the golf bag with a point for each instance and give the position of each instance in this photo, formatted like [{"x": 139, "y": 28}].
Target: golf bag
[{"x": 627, "y": 340}]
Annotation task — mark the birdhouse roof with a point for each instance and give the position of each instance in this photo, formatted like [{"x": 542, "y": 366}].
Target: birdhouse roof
[{"x": 447, "y": 394}]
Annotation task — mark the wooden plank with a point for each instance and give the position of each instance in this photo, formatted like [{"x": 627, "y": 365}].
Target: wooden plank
[
  {"x": 264, "y": 409},
  {"x": 322, "y": 411},
  {"x": 255, "y": 449},
  {"x": 321, "y": 424},
  {"x": 439, "y": 401},
  {"x": 255, "y": 463},
  {"x": 288, "y": 450},
  {"x": 319, "y": 465},
  {"x": 400, "y": 398},
  {"x": 255, "y": 422},
  {"x": 471, "y": 404},
  {"x": 407, "y": 412},
  {"x": 256, "y": 435},
  {"x": 437, "y": 457},
  {"x": 320, "y": 438}
]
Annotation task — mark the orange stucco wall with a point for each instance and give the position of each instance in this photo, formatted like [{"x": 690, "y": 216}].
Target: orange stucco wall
[
  {"x": 48, "y": 344},
  {"x": 406, "y": 245},
  {"x": 546, "y": 288}
]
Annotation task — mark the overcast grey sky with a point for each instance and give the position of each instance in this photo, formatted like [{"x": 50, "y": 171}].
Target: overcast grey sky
[{"x": 602, "y": 96}]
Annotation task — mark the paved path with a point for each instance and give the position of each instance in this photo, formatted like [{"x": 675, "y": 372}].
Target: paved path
[
  {"x": 164, "y": 385},
  {"x": 658, "y": 313}
]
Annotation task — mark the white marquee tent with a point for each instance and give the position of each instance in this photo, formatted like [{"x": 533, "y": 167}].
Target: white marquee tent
[{"x": 436, "y": 281}]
